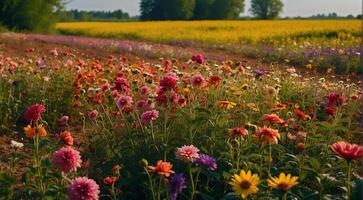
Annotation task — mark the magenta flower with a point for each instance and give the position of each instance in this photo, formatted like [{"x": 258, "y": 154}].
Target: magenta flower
[
  {"x": 67, "y": 159},
  {"x": 33, "y": 113},
  {"x": 169, "y": 81},
  {"x": 63, "y": 120},
  {"x": 124, "y": 101},
  {"x": 149, "y": 116},
  {"x": 93, "y": 114},
  {"x": 198, "y": 81},
  {"x": 198, "y": 58},
  {"x": 144, "y": 91},
  {"x": 83, "y": 188},
  {"x": 187, "y": 153}
]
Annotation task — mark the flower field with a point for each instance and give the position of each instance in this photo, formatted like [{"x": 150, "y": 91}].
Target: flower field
[
  {"x": 85, "y": 123},
  {"x": 322, "y": 44}
]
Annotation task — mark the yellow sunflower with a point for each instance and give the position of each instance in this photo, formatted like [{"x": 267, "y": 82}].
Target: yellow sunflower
[
  {"x": 283, "y": 182},
  {"x": 245, "y": 184}
]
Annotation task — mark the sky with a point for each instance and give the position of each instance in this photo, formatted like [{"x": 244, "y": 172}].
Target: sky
[{"x": 292, "y": 7}]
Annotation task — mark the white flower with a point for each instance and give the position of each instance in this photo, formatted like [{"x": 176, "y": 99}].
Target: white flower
[{"x": 16, "y": 145}]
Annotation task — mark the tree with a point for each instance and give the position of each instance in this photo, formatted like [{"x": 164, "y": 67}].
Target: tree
[
  {"x": 203, "y": 9},
  {"x": 33, "y": 15},
  {"x": 227, "y": 9},
  {"x": 266, "y": 9}
]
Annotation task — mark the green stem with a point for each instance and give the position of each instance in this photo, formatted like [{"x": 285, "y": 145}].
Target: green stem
[
  {"x": 191, "y": 181},
  {"x": 348, "y": 178},
  {"x": 151, "y": 184}
]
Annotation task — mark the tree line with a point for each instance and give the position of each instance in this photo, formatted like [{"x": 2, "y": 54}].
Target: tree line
[
  {"x": 76, "y": 15},
  {"x": 206, "y": 9}
]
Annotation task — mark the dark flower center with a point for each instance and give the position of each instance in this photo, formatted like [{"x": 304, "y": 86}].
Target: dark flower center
[
  {"x": 245, "y": 185},
  {"x": 283, "y": 186}
]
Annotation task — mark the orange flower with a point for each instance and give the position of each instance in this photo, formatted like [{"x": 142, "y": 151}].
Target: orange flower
[
  {"x": 162, "y": 168},
  {"x": 226, "y": 105},
  {"x": 66, "y": 138},
  {"x": 29, "y": 131},
  {"x": 272, "y": 118},
  {"x": 302, "y": 115},
  {"x": 41, "y": 131},
  {"x": 267, "y": 135},
  {"x": 110, "y": 180}
]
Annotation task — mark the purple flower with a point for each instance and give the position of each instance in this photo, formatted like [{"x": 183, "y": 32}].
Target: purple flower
[
  {"x": 176, "y": 185},
  {"x": 259, "y": 72},
  {"x": 207, "y": 161}
]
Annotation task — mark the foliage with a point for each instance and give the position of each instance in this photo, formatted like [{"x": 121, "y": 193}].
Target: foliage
[
  {"x": 75, "y": 15},
  {"x": 266, "y": 9},
  {"x": 32, "y": 15}
]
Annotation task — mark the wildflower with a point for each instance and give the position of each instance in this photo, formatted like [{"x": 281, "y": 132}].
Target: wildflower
[
  {"x": 207, "y": 161},
  {"x": 144, "y": 91},
  {"x": 347, "y": 151},
  {"x": 41, "y": 130},
  {"x": 272, "y": 118},
  {"x": 63, "y": 120},
  {"x": 214, "y": 80},
  {"x": 67, "y": 159},
  {"x": 16, "y": 145},
  {"x": 271, "y": 91},
  {"x": 237, "y": 132},
  {"x": 260, "y": 72},
  {"x": 169, "y": 81},
  {"x": 83, "y": 188},
  {"x": 66, "y": 138},
  {"x": 110, "y": 180},
  {"x": 198, "y": 58},
  {"x": 268, "y": 135},
  {"x": 149, "y": 116},
  {"x": 301, "y": 115},
  {"x": 245, "y": 184},
  {"x": 187, "y": 153},
  {"x": 283, "y": 182},
  {"x": 93, "y": 114},
  {"x": 226, "y": 105},
  {"x": 124, "y": 101},
  {"x": 29, "y": 132},
  {"x": 33, "y": 113},
  {"x": 162, "y": 168},
  {"x": 176, "y": 185},
  {"x": 331, "y": 110},
  {"x": 198, "y": 81}
]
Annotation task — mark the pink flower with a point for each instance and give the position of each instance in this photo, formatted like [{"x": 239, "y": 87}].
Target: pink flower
[
  {"x": 105, "y": 87},
  {"x": 83, "y": 188},
  {"x": 54, "y": 52},
  {"x": 198, "y": 58},
  {"x": 93, "y": 114},
  {"x": 272, "y": 118},
  {"x": 149, "y": 116},
  {"x": 144, "y": 91},
  {"x": 67, "y": 159},
  {"x": 124, "y": 101},
  {"x": 63, "y": 120},
  {"x": 347, "y": 151},
  {"x": 169, "y": 81},
  {"x": 237, "y": 132},
  {"x": 198, "y": 81},
  {"x": 33, "y": 113},
  {"x": 267, "y": 135},
  {"x": 187, "y": 153}
]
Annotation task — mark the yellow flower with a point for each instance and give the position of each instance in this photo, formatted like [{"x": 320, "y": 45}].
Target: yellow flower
[
  {"x": 283, "y": 182},
  {"x": 29, "y": 131},
  {"x": 227, "y": 105},
  {"x": 253, "y": 107},
  {"x": 41, "y": 131},
  {"x": 245, "y": 184}
]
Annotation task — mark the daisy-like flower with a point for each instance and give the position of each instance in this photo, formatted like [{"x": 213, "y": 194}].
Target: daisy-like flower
[
  {"x": 16, "y": 145},
  {"x": 198, "y": 81},
  {"x": 66, "y": 138},
  {"x": 83, "y": 188},
  {"x": 347, "y": 151},
  {"x": 67, "y": 159},
  {"x": 283, "y": 182},
  {"x": 124, "y": 101},
  {"x": 169, "y": 81},
  {"x": 267, "y": 135},
  {"x": 226, "y": 105},
  {"x": 237, "y": 132},
  {"x": 245, "y": 184},
  {"x": 272, "y": 118},
  {"x": 187, "y": 153},
  {"x": 207, "y": 161},
  {"x": 162, "y": 168},
  {"x": 149, "y": 116}
]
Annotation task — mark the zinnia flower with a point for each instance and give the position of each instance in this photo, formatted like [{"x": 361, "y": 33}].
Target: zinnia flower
[
  {"x": 149, "y": 116},
  {"x": 283, "y": 182},
  {"x": 124, "y": 101},
  {"x": 93, "y": 114},
  {"x": 29, "y": 132},
  {"x": 67, "y": 159},
  {"x": 267, "y": 135},
  {"x": 198, "y": 81},
  {"x": 187, "y": 153},
  {"x": 83, "y": 188},
  {"x": 176, "y": 185},
  {"x": 33, "y": 113},
  {"x": 272, "y": 118},
  {"x": 301, "y": 115},
  {"x": 63, "y": 120},
  {"x": 207, "y": 161},
  {"x": 162, "y": 168},
  {"x": 245, "y": 184},
  {"x": 110, "y": 180},
  {"x": 198, "y": 58},
  {"x": 169, "y": 81},
  {"x": 237, "y": 132},
  {"x": 347, "y": 151},
  {"x": 66, "y": 138}
]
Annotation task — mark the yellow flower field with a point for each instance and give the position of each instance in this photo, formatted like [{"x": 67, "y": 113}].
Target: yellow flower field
[{"x": 329, "y": 32}]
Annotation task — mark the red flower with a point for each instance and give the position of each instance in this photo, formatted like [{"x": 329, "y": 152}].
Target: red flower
[
  {"x": 237, "y": 132},
  {"x": 301, "y": 115},
  {"x": 33, "y": 113},
  {"x": 110, "y": 180},
  {"x": 331, "y": 110},
  {"x": 66, "y": 138},
  {"x": 347, "y": 151}
]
